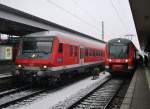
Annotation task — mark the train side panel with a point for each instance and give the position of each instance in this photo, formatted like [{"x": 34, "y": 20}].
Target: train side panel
[{"x": 66, "y": 54}]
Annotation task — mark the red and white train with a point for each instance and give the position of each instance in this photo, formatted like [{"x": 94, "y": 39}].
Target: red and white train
[
  {"x": 120, "y": 56},
  {"x": 52, "y": 54}
]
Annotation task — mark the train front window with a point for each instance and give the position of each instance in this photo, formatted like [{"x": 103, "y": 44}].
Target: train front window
[
  {"x": 37, "y": 47},
  {"x": 118, "y": 51}
]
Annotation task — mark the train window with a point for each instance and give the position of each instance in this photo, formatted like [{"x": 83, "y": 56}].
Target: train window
[
  {"x": 93, "y": 52},
  {"x": 76, "y": 51},
  {"x": 99, "y": 52},
  {"x": 90, "y": 52},
  {"x": 40, "y": 46},
  {"x": 118, "y": 51},
  {"x": 102, "y": 53},
  {"x": 86, "y": 52},
  {"x": 60, "y": 50},
  {"x": 71, "y": 50},
  {"x": 96, "y": 52}
]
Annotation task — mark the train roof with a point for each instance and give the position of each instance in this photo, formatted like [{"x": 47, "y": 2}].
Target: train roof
[
  {"x": 50, "y": 33},
  {"x": 71, "y": 38},
  {"x": 120, "y": 40}
]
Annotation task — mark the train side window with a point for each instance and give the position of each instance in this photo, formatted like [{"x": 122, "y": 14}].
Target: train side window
[
  {"x": 71, "y": 50},
  {"x": 93, "y": 52},
  {"x": 102, "y": 53},
  {"x": 60, "y": 49},
  {"x": 96, "y": 52},
  {"x": 76, "y": 51},
  {"x": 90, "y": 52},
  {"x": 99, "y": 52},
  {"x": 86, "y": 52}
]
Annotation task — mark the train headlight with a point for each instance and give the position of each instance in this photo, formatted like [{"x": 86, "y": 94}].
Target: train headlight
[
  {"x": 45, "y": 67},
  {"x": 33, "y": 55},
  {"x": 126, "y": 60},
  {"x": 109, "y": 60},
  {"x": 19, "y": 66}
]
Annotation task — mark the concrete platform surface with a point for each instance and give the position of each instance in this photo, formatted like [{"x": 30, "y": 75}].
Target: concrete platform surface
[{"x": 138, "y": 94}]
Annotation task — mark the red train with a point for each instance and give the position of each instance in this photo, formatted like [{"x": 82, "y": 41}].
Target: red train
[
  {"x": 53, "y": 54},
  {"x": 120, "y": 56}
]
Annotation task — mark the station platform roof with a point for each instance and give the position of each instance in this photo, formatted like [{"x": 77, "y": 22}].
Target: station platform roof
[{"x": 141, "y": 15}]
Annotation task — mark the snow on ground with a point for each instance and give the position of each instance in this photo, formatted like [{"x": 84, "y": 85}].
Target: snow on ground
[{"x": 53, "y": 98}]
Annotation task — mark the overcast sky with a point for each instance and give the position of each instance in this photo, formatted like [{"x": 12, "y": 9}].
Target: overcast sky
[{"x": 83, "y": 15}]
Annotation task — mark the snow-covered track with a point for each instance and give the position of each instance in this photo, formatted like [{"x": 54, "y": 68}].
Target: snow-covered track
[
  {"x": 13, "y": 90},
  {"x": 100, "y": 97},
  {"x": 97, "y": 95},
  {"x": 16, "y": 95}
]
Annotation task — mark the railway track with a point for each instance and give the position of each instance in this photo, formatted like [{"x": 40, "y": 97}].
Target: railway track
[
  {"x": 97, "y": 96},
  {"x": 100, "y": 97},
  {"x": 14, "y": 95},
  {"x": 13, "y": 90}
]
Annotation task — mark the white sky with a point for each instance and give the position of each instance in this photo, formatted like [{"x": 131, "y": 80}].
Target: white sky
[{"x": 83, "y": 15}]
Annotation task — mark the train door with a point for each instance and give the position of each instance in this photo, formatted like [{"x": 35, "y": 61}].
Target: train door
[
  {"x": 81, "y": 55},
  {"x": 60, "y": 56}
]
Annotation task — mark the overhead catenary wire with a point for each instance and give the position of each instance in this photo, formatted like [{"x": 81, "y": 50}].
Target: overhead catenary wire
[
  {"x": 119, "y": 17},
  {"x": 129, "y": 24},
  {"x": 84, "y": 10},
  {"x": 72, "y": 14}
]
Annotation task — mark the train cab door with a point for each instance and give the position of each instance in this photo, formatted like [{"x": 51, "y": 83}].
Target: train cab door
[{"x": 81, "y": 56}]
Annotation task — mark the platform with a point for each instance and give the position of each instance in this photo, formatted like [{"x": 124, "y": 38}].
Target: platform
[{"x": 138, "y": 94}]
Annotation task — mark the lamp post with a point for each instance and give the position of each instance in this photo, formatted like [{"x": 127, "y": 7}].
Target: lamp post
[{"x": 102, "y": 30}]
